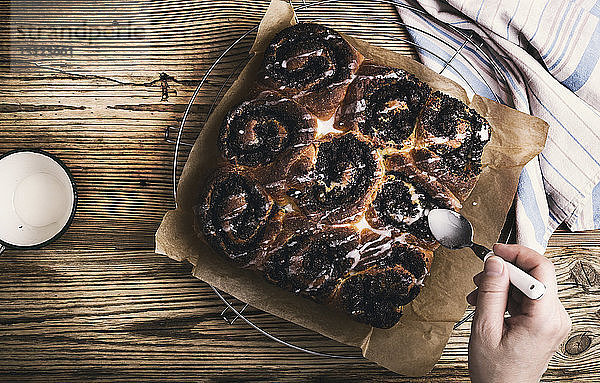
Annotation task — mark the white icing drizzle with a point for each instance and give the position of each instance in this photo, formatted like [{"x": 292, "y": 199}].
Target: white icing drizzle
[
  {"x": 360, "y": 106},
  {"x": 276, "y": 101},
  {"x": 363, "y": 224},
  {"x": 391, "y": 74},
  {"x": 374, "y": 249},
  {"x": 484, "y": 133},
  {"x": 415, "y": 199},
  {"x": 318, "y": 52},
  {"x": 359, "y": 226},
  {"x": 355, "y": 256},
  {"x": 460, "y": 136},
  {"x": 438, "y": 140},
  {"x": 240, "y": 208},
  {"x": 275, "y": 184}
]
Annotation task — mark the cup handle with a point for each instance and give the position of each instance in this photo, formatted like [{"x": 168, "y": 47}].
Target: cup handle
[{"x": 2, "y": 248}]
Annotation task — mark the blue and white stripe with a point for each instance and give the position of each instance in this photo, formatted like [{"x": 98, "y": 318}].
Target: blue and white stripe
[{"x": 549, "y": 53}]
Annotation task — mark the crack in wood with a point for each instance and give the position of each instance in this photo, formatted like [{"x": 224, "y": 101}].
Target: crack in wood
[
  {"x": 164, "y": 87},
  {"x": 179, "y": 108},
  {"x": 15, "y": 108},
  {"x": 163, "y": 78},
  {"x": 184, "y": 327}
]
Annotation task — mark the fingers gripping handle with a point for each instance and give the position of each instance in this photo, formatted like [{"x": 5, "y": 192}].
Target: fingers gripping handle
[
  {"x": 530, "y": 286},
  {"x": 527, "y": 284}
]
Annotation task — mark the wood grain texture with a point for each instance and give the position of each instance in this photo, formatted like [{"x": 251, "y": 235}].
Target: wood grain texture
[
  {"x": 97, "y": 84},
  {"x": 120, "y": 315}
]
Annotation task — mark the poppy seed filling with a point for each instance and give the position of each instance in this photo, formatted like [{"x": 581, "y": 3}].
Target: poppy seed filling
[
  {"x": 378, "y": 297},
  {"x": 345, "y": 170},
  {"x": 311, "y": 265},
  {"x": 256, "y": 132},
  {"x": 404, "y": 205},
  {"x": 238, "y": 227},
  {"x": 448, "y": 117},
  {"x": 311, "y": 57},
  {"x": 393, "y": 106}
]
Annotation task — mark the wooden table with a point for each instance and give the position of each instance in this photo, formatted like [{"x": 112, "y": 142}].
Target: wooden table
[{"x": 98, "y": 85}]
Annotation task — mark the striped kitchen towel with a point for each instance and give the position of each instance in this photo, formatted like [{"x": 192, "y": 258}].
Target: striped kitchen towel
[{"x": 546, "y": 53}]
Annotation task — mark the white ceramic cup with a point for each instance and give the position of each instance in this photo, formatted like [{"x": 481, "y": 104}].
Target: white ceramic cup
[{"x": 38, "y": 199}]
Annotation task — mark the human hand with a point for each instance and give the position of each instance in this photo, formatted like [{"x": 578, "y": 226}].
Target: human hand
[{"x": 518, "y": 348}]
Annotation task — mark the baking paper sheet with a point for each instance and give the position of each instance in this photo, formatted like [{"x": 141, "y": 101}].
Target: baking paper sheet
[{"x": 414, "y": 345}]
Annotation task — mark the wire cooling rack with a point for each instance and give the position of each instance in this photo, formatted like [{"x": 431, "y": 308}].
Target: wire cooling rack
[{"x": 223, "y": 71}]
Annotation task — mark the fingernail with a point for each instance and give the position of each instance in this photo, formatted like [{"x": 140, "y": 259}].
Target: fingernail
[
  {"x": 499, "y": 246},
  {"x": 493, "y": 266}
]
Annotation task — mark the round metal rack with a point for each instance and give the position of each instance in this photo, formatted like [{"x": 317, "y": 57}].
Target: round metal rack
[{"x": 175, "y": 135}]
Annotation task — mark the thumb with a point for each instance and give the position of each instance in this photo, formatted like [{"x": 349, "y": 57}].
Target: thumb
[{"x": 492, "y": 297}]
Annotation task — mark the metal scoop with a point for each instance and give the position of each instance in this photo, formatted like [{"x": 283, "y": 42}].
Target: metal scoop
[{"x": 454, "y": 231}]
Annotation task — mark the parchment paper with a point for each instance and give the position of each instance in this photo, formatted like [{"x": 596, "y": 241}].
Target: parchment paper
[{"x": 414, "y": 345}]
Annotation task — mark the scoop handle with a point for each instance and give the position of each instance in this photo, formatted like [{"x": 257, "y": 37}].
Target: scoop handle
[{"x": 527, "y": 284}]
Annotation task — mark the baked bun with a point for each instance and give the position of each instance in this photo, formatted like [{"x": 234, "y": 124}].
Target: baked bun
[
  {"x": 312, "y": 64},
  {"x": 260, "y": 130},
  {"x": 383, "y": 103},
  {"x": 377, "y": 288},
  {"x": 334, "y": 182},
  {"x": 405, "y": 198},
  {"x": 236, "y": 216},
  {"x": 450, "y": 138},
  {"x": 311, "y": 263},
  {"x": 338, "y": 214}
]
